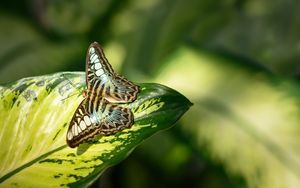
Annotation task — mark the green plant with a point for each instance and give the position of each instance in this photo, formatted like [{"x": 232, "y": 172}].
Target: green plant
[{"x": 35, "y": 113}]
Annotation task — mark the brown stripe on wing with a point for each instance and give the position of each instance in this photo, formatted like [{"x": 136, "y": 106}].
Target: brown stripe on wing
[
  {"x": 91, "y": 76},
  {"x": 75, "y": 130},
  {"x": 106, "y": 120},
  {"x": 88, "y": 134},
  {"x": 111, "y": 124},
  {"x": 124, "y": 91},
  {"x": 100, "y": 52}
]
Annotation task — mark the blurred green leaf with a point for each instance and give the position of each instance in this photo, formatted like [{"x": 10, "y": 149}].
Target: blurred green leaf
[
  {"x": 25, "y": 52},
  {"x": 266, "y": 33},
  {"x": 244, "y": 119},
  {"x": 35, "y": 113},
  {"x": 173, "y": 21},
  {"x": 67, "y": 18}
]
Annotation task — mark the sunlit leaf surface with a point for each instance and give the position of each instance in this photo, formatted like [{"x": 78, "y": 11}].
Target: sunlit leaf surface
[
  {"x": 244, "y": 119},
  {"x": 35, "y": 113}
]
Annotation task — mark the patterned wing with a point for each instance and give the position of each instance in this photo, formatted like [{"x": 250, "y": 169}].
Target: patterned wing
[
  {"x": 92, "y": 119},
  {"x": 102, "y": 79}
]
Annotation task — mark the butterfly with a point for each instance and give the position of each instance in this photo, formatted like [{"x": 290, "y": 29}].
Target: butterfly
[{"x": 99, "y": 112}]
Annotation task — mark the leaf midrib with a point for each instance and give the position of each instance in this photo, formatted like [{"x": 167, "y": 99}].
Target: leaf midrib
[{"x": 28, "y": 164}]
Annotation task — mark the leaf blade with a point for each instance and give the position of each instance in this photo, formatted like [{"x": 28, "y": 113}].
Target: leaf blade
[{"x": 40, "y": 118}]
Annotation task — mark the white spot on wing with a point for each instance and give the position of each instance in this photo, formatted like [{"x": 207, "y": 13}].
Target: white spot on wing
[
  {"x": 87, "y": 121},
  {"x": 92, "y": 50},
  {"x": 99, "y": 72},
  {"x": 103, "y": 78},
  {"x": 93, "y": 119},
  {"x": 75, "y": 130},
  {"x": 93, "y": 58},
  {"x": 70, "y": 135},
  {"x": 97, "y": 66},
  {"x": 78, "y": 129},
  {"x": 82, "y": 125}
]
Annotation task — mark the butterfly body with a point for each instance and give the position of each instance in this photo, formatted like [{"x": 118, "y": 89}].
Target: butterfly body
[{"x": 99, "y": 112}]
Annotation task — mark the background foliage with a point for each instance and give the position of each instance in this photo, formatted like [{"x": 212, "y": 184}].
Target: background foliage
[{"x": 236, "y": 60}]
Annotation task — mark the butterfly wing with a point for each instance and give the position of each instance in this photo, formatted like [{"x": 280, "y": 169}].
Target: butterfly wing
[
  {"x": 102, "y": 79},
  {"x": 90, "y": 119}
]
